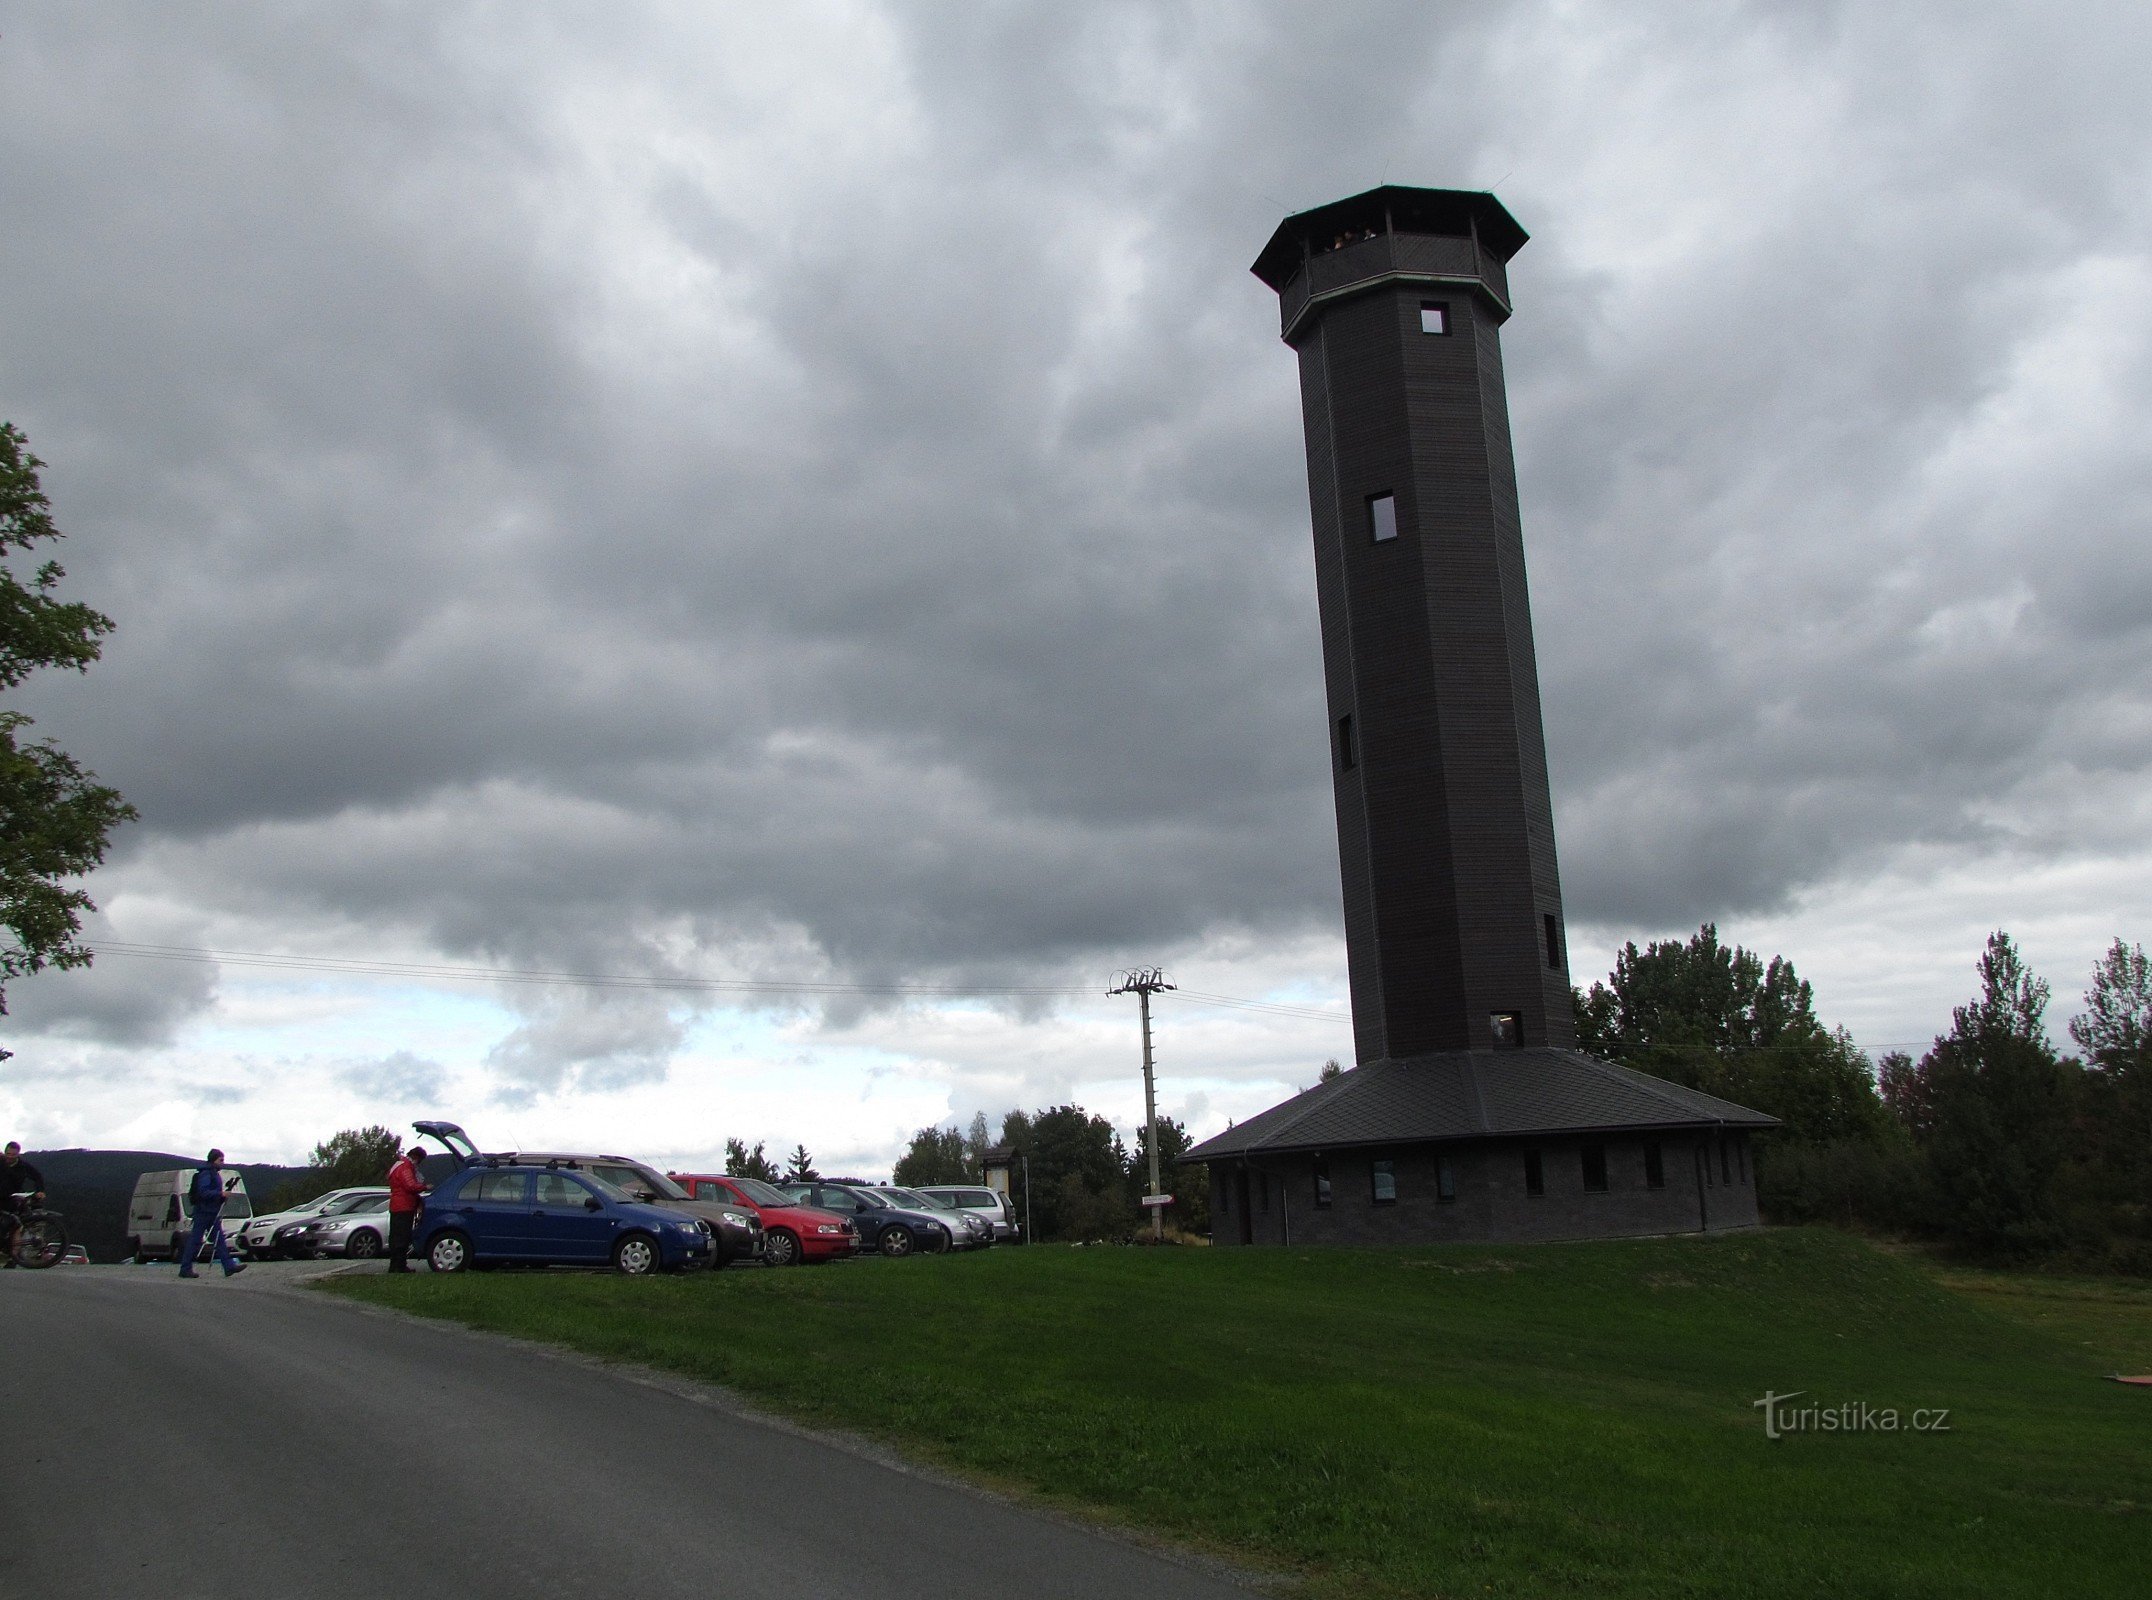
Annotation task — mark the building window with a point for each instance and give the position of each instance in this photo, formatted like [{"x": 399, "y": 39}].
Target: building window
[
  {"x": 1726, "y": 1162},
  {"x": 1704, "y": 1152},
  {"x": 1383, "y": 1182},
  {"x": 1382, "y": 516},
  {"x": 1322, "y": 1182},
  {"x": 1535, "y": 1178},
  {"x": 1741, "y": 1160},
  {"x": 1507, "y": 1029},
  {"x": 1445, "y": 1180},
  {"x": 1595, "y": 1168},
  {"x": 1434, "y": 316},
  {"x": 1554, "y": 943},
  {"x": 1654, "y": 1165},
  {"x": 1348, "y": 749}
]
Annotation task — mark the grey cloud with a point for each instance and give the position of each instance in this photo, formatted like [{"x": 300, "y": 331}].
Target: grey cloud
[
  {"x": 118, "y": 1000},
  {"x": 561, "y": 499},
  {"x": 585, "y": 1040},
  {"x": 400, "y": 1075}
]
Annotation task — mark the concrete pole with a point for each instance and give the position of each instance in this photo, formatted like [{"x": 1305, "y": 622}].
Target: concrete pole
[{"x": 1150, "y": 1117}]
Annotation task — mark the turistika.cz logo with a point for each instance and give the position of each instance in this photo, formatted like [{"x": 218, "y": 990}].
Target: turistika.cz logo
[{"x": 1781, "y": 1417}]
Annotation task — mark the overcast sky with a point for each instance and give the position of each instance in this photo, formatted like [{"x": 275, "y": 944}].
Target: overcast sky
[{"x": 813, "y": 494}]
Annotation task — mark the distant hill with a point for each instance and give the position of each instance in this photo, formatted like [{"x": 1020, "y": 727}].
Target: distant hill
[{"x": 91, "y": 1189}]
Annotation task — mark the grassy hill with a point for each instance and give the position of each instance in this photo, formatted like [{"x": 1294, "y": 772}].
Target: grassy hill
[
  {"x": 1550, "y": 1420},
  {"x": 91, "y": 1189}
]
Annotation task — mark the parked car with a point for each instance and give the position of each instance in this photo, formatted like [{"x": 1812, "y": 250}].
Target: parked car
[
  {"x": 256, "y": 1240},
  {"x": 358, "y": 1230},
  {"x": 791, "y": 1233},
  {"x": 160, "y": 1212},
  {"x": 495, "y": 1210},
  {"x": 735, "y": 1231},
  {"x": 966, "y": 1232},
  {"x": 893, "y": 1230},
  {"x": 989, "y": 1205}
]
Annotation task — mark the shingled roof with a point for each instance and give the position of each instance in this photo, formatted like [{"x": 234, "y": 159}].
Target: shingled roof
[{"x": 1475, "y": 1094}]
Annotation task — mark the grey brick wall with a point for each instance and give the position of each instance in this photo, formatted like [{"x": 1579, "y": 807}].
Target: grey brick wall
[{"x": 1491, "y": 1202}]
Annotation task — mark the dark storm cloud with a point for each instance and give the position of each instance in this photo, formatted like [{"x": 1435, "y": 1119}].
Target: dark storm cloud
[{"x": 822, "y": 496}]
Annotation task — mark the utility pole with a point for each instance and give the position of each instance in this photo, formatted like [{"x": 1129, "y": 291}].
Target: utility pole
[{"x": 1143, "y": 982}]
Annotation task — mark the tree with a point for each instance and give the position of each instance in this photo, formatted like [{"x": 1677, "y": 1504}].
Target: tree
[
  {"x": 1079, "y": 1171},
  {"x": 1724, "y": 1020},
  {"x": 348, "y": 1160},
  {"x": 799, "y": 1166},
  {"x": 1331, "y": 1069},
  {"x": 741, "y": 1162},
  {"x": 936, "y": 1155},
  {"x": 2115, "y": 1032},
  {"x": 55, "y": 817},
  {"x": 2000, "y": 1102},
  {"x": 1189, "y": 1186},
  {"x": 2115, "y": 1028}
]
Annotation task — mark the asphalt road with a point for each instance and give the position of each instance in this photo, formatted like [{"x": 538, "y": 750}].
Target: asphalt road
[{"x": 168, "y": 1440}]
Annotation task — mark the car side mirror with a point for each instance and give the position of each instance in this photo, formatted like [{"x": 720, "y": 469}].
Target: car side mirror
[
  {"x": 646, "y": 1195},
  {"x": 593, "y": 1204}
]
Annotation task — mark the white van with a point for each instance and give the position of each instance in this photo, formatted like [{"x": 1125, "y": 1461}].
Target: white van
[{"x": 160, "y": 1213}]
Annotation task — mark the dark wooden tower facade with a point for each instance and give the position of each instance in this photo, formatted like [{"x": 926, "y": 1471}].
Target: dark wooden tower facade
[{"x": 1393, "y": 301}]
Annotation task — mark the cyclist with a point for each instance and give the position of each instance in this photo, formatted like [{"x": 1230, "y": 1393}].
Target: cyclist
[{"x": 21, "y": 1187}]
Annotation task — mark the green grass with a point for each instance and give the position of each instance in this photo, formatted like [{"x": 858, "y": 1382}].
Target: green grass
[{"x": 1543, "y": 1420}]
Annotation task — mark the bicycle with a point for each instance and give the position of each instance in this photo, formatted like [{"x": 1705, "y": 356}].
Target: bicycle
[{"x": 38, "y": 1236}]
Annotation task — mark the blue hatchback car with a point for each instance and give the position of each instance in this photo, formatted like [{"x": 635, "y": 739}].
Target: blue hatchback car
[{"x": 552, "y": 1215}]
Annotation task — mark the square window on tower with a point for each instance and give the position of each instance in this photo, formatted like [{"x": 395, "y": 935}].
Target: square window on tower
[
  {"x": 1434, "y": 316},
  {"x": 1507, "y": 1029},
  {"x": 1382, "y": 516}
]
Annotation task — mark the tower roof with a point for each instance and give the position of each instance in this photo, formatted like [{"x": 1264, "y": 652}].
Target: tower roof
[{"x": 1392, "y": 208}]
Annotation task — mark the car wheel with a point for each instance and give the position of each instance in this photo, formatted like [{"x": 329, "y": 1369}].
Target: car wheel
[
  {"x": 636, "y": 1255},
  {"x": 896, "y": 1240},
  {"x": 780, "y": 1248},
  {"x": 363, "y": 1245},
  {"x": 134, "y": 1251},
  {"x": 449, "y": 1252}
]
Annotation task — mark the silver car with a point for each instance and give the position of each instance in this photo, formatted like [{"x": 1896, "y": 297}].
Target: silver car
[
  {"x": 359, "y": 1231},
  {"x": 988, "y": 1205},
  {"x": 256, "y": 1237},
  {"x": 966, "y": 1232}
]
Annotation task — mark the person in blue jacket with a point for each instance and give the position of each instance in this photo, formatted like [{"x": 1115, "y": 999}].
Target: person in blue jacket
[{"x": 206, "y": 1195}]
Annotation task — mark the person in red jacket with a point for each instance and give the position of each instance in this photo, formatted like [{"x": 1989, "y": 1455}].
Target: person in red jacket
[{"x": 407, "y": 1197}]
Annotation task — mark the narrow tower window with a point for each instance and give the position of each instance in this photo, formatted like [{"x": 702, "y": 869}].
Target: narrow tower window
[
  {"x": 1348, "y": 752},
  {"x": 1382, "y": 517},
  {"x": 1554, "y": 943},
  {"x": 1434, "y": 316}
]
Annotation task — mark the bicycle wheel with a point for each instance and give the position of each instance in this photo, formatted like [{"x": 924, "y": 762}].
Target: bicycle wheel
[{"x": 40, "y": 1241}]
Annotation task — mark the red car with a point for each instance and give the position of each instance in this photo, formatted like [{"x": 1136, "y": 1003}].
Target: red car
[{"x": 791, "y": 1232}]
